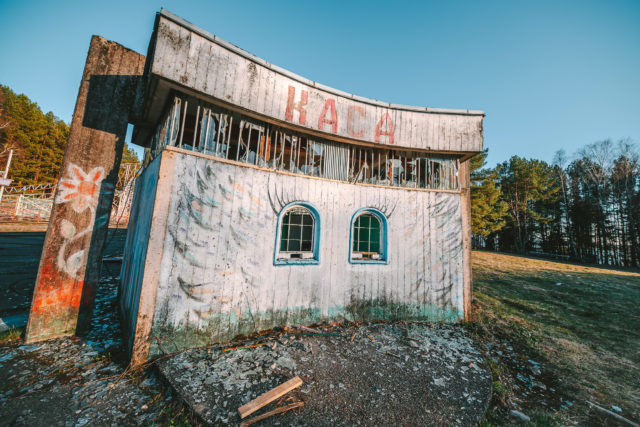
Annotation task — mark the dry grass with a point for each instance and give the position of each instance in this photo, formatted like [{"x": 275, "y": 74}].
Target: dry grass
[
  {"x": 582, "y": 323},
  {"x": 10, "y": 336}
]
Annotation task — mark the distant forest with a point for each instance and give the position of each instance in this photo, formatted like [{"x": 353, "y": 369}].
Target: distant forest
[
  {"x": 37, "y": 140},
  {"x": 585, "y": 207}
]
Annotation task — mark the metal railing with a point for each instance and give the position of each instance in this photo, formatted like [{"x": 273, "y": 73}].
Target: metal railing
[
  {"x": 213, "y": 130},
  {"x": 33, "y": 203}
]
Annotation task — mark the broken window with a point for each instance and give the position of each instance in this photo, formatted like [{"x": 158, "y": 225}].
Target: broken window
[
  {"x": 298, "y": 235},
  {"x": 197, "y": 126},
  {"x": 368, "y": 237}
]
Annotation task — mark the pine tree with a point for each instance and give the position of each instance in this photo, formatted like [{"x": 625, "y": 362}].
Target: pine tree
[
  {"x": 487, "y": 209},
  {"x": 524, "y": 184},
  {"x": 38, "y": 139}
]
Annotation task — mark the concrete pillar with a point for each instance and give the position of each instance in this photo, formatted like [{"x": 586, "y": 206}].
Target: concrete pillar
[{"x": 71, "y": 257}]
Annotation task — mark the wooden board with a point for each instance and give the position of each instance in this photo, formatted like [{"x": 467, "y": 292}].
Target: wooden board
[
  {"x": 268, "y": 397},
  {"x": 271, "y": 413}
]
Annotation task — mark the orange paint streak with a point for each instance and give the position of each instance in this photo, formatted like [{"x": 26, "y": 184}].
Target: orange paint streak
[
  {"x": 96, "y": 176},
  {"x": 55, "y": 292},
  {"x": 87, "y": 188},
  {"x": 67, "y": 184},
  {"x": 79, "y": 174},
  {"x": 69, "y": 196}
]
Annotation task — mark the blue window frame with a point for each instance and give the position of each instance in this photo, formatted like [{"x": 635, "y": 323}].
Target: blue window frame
[
  {"x": 297, "y": 235},
  {"x": 368, "y": 239}
]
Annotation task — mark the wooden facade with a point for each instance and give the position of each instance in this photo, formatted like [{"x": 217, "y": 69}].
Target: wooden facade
[{"x": 205, "y": 261}]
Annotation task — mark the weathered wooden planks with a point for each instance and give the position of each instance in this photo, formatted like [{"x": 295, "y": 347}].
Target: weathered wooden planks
[
  {"x": 150, "y": 279},
  {"x": 465, "y": 185},
  {"x": 217, "y": 276},
  {"x": 196, "y": 59},
  {"x": 268, "y": 397},
  {"x": 271, "y": 413},
  {"x": 133, "y": 261}
]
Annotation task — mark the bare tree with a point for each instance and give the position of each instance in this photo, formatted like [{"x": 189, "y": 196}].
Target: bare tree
[
  {"x": 598, "y": 166},
  {"x": 559, "y": 161},
  {"x": 624, "y": 178}
]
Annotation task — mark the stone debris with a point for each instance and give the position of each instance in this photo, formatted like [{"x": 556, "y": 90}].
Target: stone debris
[
  {"x": 442, "y": 379},
  {"x": 72, "y": 381},
  {"x": 519, "y": 415}
]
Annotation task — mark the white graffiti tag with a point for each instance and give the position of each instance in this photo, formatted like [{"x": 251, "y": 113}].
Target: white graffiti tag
[{"x": 81, "y": 191}]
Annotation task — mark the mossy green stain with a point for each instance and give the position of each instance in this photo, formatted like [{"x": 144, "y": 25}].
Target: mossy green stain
[{"x": 221, "y": 327}]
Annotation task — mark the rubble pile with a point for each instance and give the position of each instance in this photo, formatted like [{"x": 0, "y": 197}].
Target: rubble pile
[
  {"x": 78, "y": 381},
  {"x": 353, "y": 375}
]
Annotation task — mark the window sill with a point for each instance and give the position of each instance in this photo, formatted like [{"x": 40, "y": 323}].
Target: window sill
[
  {"x": 309, "y": 261},
  {"x": 368, "y": 261}
]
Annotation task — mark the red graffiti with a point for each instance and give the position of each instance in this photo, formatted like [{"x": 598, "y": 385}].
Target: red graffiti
[
  {"x": 55, "y": 292},
  {"x": 329, "y": 104},
  {"x": 351, "y": 118},
  {"x": 389, "y": 132},
  {"x": 329, "y": 116},
  {"x": 292, "y": 105}
]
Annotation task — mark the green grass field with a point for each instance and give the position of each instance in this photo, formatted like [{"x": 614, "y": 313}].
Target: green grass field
[{"x": 558, "y": 335}]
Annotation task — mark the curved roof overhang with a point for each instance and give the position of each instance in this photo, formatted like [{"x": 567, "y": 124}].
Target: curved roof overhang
[{"x": 184, "y": 57}]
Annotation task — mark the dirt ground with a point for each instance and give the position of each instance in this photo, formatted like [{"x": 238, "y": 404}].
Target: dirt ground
[
  {"x": 78, "y": 381},
  {"x": 387, "y": 374}
]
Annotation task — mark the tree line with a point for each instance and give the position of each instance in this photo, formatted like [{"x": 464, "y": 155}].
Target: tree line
[
  {"x": 37, "y": 139},
  {"x": 585, "y": 207}
]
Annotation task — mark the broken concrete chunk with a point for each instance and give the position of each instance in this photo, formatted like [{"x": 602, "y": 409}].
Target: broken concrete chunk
[
  {"x": 440, "y": 382},
  {"x": 286, "y": 362},
  {"x": 519, "y": 415}
]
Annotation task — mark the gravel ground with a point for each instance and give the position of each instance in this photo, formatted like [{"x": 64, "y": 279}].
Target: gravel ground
[
  {"x": 376, "y": 374},
  {"x": 73, "y": 381}
]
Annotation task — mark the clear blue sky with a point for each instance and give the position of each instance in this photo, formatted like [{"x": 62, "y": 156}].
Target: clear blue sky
[{"x": 548, "y": 74}]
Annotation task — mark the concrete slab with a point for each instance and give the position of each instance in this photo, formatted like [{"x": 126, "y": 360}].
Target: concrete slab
[{"x": 399, "y": 374}]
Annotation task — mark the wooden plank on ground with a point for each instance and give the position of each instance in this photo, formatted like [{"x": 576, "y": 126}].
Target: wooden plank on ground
[
  {"x": 268, "y": 397},
  {"x": 276, "y": 411}
]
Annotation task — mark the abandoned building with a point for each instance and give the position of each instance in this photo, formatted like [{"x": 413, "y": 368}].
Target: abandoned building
[{"x": 267, "y": 199}]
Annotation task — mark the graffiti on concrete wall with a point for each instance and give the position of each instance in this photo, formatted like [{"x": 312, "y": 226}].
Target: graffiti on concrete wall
[{"x": 80, "y": 190}]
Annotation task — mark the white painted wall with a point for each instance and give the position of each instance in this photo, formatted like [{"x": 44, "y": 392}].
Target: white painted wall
[{"x": 217, "y": 276}]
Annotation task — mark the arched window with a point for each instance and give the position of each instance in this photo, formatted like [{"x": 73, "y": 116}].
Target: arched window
[
  {"x": 298, "y": 235},
  {"x": 368, "y": 237}
]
